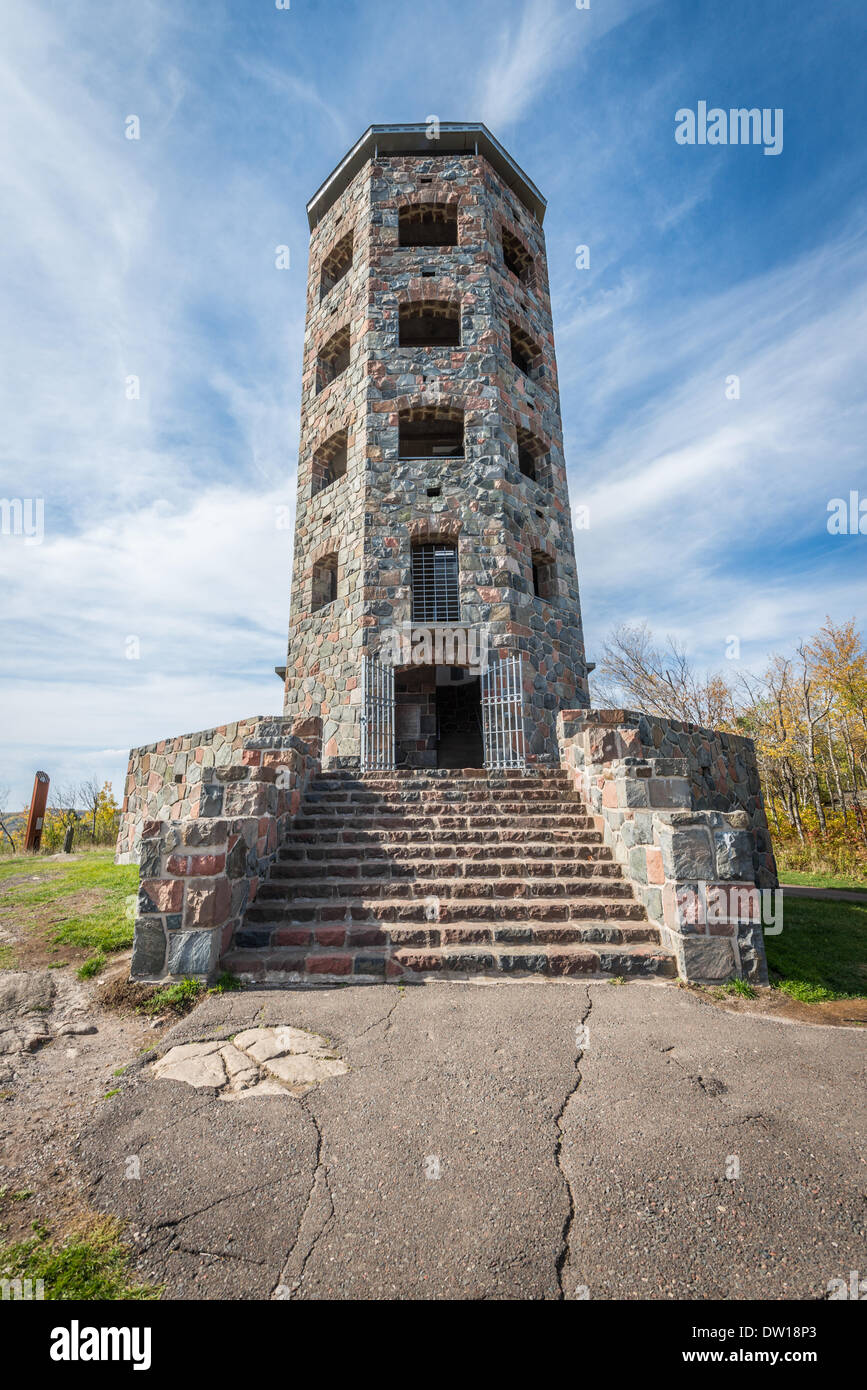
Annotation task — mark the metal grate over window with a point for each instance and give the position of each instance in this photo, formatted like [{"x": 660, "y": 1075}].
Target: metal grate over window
[{"x": 435, "y": 594}]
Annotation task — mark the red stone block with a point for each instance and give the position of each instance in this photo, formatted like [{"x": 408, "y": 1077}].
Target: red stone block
[
  {"x": 166, "y": 893},
  {"x": 207, "y": 864},
  {"x": 655, "y": 871},
  {"x": 328, "y": 965},
  {"x": 573, "y": 964},
  {"x": 290, "y": 936},
  {"x": 420, "y": 961},
  {"x": 177, "y": 865},
  {"x": 330, "y": 936}
]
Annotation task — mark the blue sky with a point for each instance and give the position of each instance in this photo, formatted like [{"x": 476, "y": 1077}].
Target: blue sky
[{"x": 155, "y": 258}]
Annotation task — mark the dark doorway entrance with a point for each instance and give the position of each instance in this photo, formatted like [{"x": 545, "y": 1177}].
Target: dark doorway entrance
[{"x": 459, "y": 722}]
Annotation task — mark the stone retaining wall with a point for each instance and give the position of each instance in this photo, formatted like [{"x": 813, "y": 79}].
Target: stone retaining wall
[
  {"x": 681, "y": 808},
  {"x": 204, "y": 843}
]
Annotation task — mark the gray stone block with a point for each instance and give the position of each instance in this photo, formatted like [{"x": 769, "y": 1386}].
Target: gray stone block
[
  {"x": 149, "y": 950},
  {"x": 734, "y": 854},
  {"x": 192, "y": 952},
  {"x": 708, "y": 959},
  {"x": 686, "y": 853}
]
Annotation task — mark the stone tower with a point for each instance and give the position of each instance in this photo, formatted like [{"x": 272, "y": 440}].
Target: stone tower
[{"x": 431, "y": 478}]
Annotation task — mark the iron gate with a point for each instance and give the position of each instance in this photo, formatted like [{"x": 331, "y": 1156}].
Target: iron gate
[
  {"x": 377, "y": 715},
  {"x": 503, "y": 712}
]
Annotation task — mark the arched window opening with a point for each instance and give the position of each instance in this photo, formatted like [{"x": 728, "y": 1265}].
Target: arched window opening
[
  {"x": 526, "y": 354},
  {"x": 433, "y": 323},
  {"x": 325, "y": 577},
  {"x": 428, "y": 432},
  {"x": 335, "y": 265},
  {"x": 428, "y": 224},
  {"x": 516, "y": 257},
  {"x": 333, "y": 358},
  {"x": 329, "y": 462},
  {"x": 544, "y": 575}
]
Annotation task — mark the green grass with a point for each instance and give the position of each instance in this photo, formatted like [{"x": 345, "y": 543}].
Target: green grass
[
  {"x": 743, "y": 988},
  {"x": 176, "y": 998},
  {"x": 226, "y": 984},
  {"x": 821, "y": 953},
  {"x": 91, "y": 967},
  {"x": 816, "y": 880},
  {"x": 107, "y": 926},
  {"x": 93, "y": 1265}
]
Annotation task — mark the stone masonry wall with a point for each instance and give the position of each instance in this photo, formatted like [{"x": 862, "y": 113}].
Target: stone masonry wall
[
  {"x": 166, "y": 780},
  {"x": 681, "y": 809},
  {"x": 199, "y": 871},
  {"x": 498, "y": 518}
]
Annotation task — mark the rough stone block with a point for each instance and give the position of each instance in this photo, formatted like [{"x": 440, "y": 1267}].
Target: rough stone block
[
  {"x": 149, "y": 949},
  {"x": 166, "y": 894},
  {"x": 193, "y": 952},
  {"x": 734, "y": 853},
  {"x": 707, "y": 959},
  {"x": 669, "y": 791},
  {"x": 686, "y": 853},
  {"x": 209, "y": 903}
]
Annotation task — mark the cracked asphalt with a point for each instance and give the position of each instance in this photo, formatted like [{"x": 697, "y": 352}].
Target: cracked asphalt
[{"x": 483, "y": 1146}]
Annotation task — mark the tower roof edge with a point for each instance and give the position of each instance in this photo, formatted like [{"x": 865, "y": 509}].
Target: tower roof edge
[{"x": 454, "y": 137}]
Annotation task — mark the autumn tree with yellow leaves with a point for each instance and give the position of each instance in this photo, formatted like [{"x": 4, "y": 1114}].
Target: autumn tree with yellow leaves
[{"x": 807, "y": 716}]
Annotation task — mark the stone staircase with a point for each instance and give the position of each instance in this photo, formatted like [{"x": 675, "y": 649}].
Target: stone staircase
[{"x": 443, "y": 873}]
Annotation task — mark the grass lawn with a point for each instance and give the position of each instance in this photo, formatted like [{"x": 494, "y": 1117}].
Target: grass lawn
[
  {"x": 821, "y": 953},
  {"x": 83, "y": 902},
  {"x": 90, "y": 1264},
  {"x": 816, "y": 880}
]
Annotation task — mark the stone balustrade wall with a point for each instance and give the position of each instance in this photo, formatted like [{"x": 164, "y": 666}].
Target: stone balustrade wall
[
  {"x": 204, "y": 850},
  {"x": 681, "y": 809}
]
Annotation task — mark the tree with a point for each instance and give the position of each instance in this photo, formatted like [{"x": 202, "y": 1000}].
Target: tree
[
  {"x": 88, "y": 795},
  {"x": 106, "y": 816},
  {"x": 662, "y": 680},
  {"x": 4, "y": 815}
]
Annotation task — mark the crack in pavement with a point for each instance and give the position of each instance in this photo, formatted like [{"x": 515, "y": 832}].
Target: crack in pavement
[
  {"x": 214, "y": 1254},
  {"x": 289, "y": 1281},
  {"x": 385, "y": 1018},
  {"x": 566, "y": 1233},
  {"x": 228, "y": 1197},
  {"x": 319, "y": 1196}
]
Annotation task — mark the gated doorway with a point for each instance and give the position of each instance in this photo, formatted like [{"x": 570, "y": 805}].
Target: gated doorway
[
  {"x": 459, "y": 721},
  {"x": 442, "y": 716}
]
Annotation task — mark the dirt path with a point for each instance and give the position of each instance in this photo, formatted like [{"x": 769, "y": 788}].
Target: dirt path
[{"x": 59, "y": 1052}]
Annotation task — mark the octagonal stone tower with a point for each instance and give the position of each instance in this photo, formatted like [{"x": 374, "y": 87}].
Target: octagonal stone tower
[{"x": 431, "y": 479}]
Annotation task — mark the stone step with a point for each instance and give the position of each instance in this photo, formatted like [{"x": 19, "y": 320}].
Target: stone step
[
  {"x": 288, "y": 964},
  {"x": 310, "y": 888},
  {"x": 422, "y": 836},
  {"x": 300, "y": 912},
  {"x": 442, "y": 777},
  {"x": 327, "y": 804},
  {"x": 444, "y": 821},
  {"x": 355, "y": 934},
  {"x": 295, "y": 875},
  {"x": 327, "y": 857},
  {"x": 463, "y": 796}
]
